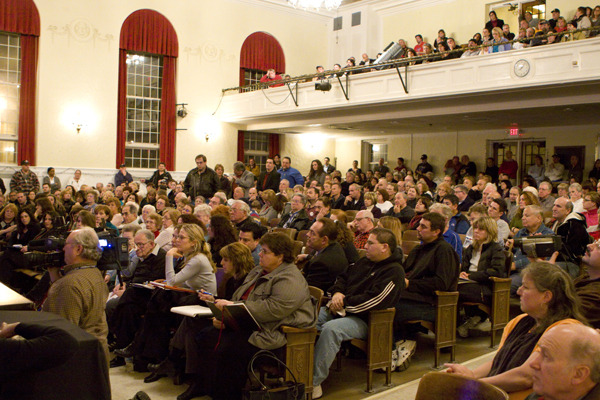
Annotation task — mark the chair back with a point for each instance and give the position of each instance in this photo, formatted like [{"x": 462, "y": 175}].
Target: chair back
[
  {"x": 443, "y": 386},
  {"x": 361, "y": 253},
  {"x": 297, "y": 248},
  {"x": 408, "y": 245},
  {"x": 507, "y": 262},
  {"x": 264, "y": 221},
  {"x": 317, "y": 294},
  {"x": 291, "y": 232},
  {"x": 302, "y": 235},
  {"x": 274, "y": 222},
  {"x": 410, "y": 235},
  {"x": 351, "y": 215}
]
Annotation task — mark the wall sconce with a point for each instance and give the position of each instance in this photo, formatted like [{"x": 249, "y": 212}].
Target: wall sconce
[{"x": 79, "y": 123}]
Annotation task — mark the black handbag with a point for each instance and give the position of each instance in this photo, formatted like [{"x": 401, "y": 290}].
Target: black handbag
[{"x": 290, "y": 390}]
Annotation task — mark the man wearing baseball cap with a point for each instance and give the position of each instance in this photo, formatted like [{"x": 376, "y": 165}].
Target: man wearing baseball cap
[
  {"x": 424, "y": 167},
  {"x": 123, "y": 177},
  {"x": 555, "y": 14},
  {"x": 24, "y": 179}
]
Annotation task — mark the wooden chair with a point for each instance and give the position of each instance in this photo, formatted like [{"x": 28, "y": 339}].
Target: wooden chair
[
  {"x": 498, "y": 312},
  {"x": 410, "y": 235},
  {"x": 443, "y": 386},
  {"x": 377, "y": 346},
  {"x": 444, "y": 327},
  {"x": 351, "y": 215},
  {"x": 462, "y": 237},
  {"x": 264, "y": 221},
  {"x": 291, "y": 232},
  {"x": 300, "y": 347},
  {"x": 408, "y": 245},
  {"x": 298, "y": 245},
  {"x": 302, "y": 235},
  {"x": 361, "y": 253},
  {"x": 274, "y": 222}
]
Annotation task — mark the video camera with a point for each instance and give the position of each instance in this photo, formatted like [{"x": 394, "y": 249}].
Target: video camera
[
  {"x": 539, "y": 246},
  {"x": 49, "y": 252}
]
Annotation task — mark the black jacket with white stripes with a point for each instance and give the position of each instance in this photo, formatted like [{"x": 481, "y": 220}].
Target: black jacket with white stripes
[{"x": 371, "y": 285}]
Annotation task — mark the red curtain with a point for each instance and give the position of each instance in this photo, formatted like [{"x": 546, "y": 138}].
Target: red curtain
[
  {"x": 273, "y": 144},
  {"x": 150, "y": 32},
  {"x": 22, "y": 17},
  {"x": 261, "y": 51},
  {"x": 240, "y": 149}
]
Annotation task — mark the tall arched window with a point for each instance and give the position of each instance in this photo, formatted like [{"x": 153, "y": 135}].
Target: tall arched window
[
  {"x": 19, "y": 34},
  {"x": 146, "y": 119},
  {"x": 260, "y": 52}
]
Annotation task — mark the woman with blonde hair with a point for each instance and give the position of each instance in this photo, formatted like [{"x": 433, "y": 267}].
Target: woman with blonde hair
[
  {"x": 268, "y": 211},
  {"x": 370, "y": 199},
  {"x": 8, "y": 220},
  {"x": 482, "y": 260},
  {"x": 394, "y": 225},
  {"x": 198, "y": 270}
]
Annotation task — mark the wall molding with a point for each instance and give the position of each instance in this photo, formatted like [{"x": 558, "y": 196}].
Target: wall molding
[{"x": 82, "y": 31}]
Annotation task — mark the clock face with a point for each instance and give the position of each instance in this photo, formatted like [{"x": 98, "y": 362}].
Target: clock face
[{"x": 522, "y": 68}]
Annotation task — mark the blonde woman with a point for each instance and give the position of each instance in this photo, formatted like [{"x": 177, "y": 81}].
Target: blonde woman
[
  {"x": 370, "y": 199},
  {"x": 394, "y": 225},
  {"x": 483, "y": 259},
  {"x": 198, "y": 270}
]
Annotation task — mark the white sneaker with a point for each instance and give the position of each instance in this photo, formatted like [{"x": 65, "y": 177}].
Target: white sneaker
[
  {"x": 317, "y": 392},
  {"x": 484, "y": 326},
  {"x": 405, "y": 349},
  {"x": 463, "y": 330}
]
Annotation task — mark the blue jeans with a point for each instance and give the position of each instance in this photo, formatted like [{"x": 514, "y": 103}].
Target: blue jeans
[{"x": 333, "y": 332}]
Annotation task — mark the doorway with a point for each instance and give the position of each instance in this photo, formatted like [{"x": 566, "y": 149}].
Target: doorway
[{"x": 524, "y": 152}]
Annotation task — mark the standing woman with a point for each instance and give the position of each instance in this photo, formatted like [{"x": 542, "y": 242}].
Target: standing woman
[
  {"x": 52, "y": 180},
  {"x": 224, "y": 183},
  {"x": 595, "y": 171},
  {"x": 483, "y": 259},
  {"x": 316, "y": 173}
]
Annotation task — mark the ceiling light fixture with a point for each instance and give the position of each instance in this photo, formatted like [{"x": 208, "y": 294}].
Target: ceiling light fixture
[{"x": 316, "y": 4}]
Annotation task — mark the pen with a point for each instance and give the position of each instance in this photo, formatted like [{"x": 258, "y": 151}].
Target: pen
[{"x": 205, "y": 292}]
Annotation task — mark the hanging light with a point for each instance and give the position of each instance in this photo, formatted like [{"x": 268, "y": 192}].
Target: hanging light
[{"x": 316, "y": 4}]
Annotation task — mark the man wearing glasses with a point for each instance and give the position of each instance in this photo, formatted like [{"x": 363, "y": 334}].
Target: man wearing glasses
[
  {"x": 79, "y": 295},
  {"x": 201, "y": 181},
  {"x": 148, "y": 264}
]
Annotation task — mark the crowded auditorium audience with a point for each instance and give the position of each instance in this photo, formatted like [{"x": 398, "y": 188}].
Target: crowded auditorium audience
[{"x": 215, "y": 237}]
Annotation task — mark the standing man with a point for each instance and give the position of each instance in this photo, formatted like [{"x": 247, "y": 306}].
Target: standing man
[
  {"x": 509, "y": 166},
  {"x": 424, "y": 167},
  {"x": 160, "y": 177},
  {"x": 576, "y": 171},
  {"x": 201, "y": 181},
  {"x": 374, "y": 282},
  {"x": 80, "y": 295},
  {"x": 24, "y": 179},
  {"x": 419, "y": 46},
  {"x": 242, "y": 177},
  {"x": 328, "y": 168},
  {"x": 123, "y": 178},
  {"x": 381, "y": 168},
  {"x": 268, "y": 179},
  {"x": 555, "y": 169},
  {"x": 77, "y": 181},
  {"x": 401, "y": 167},
  {"x": 293, "y": 176}
]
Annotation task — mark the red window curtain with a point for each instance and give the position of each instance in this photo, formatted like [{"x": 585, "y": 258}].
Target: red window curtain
[
  {"x": 261, "y": 51},
  {"x": 240, "y": 149},
  {"x": 150, "y": 32},
  {"x": 22, "y": 17},
  {"x": 273, "y": 144}
]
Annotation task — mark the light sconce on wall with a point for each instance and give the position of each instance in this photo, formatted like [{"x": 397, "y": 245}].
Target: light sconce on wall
[{"x": 79, "y": 123}]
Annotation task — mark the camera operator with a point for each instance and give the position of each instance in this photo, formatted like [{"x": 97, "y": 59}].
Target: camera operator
[
  {"x": 571, "y": 226},
  {"x": 80, "y": 295}
]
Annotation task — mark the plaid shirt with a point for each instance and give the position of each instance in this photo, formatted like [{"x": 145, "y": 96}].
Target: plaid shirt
[
  {"x": 25, "y": 181},
  {"x": 360, "y": 239}
]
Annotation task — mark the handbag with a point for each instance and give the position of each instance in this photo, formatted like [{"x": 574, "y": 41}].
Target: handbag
[{"x": 290, "y": 390}]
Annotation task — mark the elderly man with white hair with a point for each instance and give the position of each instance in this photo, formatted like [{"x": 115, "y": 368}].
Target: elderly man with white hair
[{"x": 80, "y": 294}]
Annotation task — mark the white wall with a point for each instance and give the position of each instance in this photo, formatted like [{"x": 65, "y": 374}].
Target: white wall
[
  {"x": 302, "y": 149},
  {"x": 78, "y": 74}
]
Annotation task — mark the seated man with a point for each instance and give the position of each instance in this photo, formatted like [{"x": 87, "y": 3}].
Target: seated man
[
  {"x": 327, "y": 259},
  {"x": 401, "y": 210},
  {"x": 432, "y": 265},
  {"x": 458, "y": 223},
  {"x": 449, "y": 236},
  {"x": 355, "y": 200},
  {"x": 464, "y": 201},
  {"x": 374, "y": 282},
  {"x": 363, "y": 225},
  {"x": 270, "y": 77},
  {"x": 496, "y": 210},
  {"x": 545, "y": 196},
  {"x": 571, "y": 226},
  {"x": 337, "y": 198},
  {"x": 250, "y": 235},
  {"x": 297, "y": 218},
  {"x": 567, "y": 364},
  {"x": 149, "y": 265},
  {"x": 240, "y": 214}
]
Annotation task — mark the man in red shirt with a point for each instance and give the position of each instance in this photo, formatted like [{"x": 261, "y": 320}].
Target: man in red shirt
[
  {"x": 271, "y": 76},
  {"x": 509, "y": 166}
]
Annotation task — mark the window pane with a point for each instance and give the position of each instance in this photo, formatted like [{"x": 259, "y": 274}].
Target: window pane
[{"x": 10, "y": 80}]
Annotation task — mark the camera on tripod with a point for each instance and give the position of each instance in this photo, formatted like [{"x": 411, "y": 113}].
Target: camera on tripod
[{"x": 539, "y": 246}]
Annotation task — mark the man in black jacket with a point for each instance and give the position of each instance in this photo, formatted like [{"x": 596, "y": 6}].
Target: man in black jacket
[
  {"x": 337, "y": 198},
  {"x": 201, "y": 181},
  {"x": 374, "y": 282},
  {"x": 268, "y": 179},
  {"x": 327, "y": 260},
  {"x": 433, "y": 265},
  {"x": 571, "y": 227},
  {"x": 355, "y": 200},
  {"x": 297, "y": 218}
]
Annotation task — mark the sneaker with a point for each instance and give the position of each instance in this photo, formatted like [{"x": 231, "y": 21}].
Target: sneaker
[
  {"x": 317, "y": 392},
  {"x": 484, "y": 326},
  {"x": 463, "y": 330},
  {"x": 405, "y": 349},
  {"x": 395, "y": 362}
]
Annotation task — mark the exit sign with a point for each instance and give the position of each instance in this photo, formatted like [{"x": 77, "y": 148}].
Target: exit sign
[{"x": 514, "y": 132}]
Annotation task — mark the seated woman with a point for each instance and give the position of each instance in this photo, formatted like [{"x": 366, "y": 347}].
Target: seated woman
[
  {"x": 165, "y": 237},
  {"x": 103, "y": 218},
  {"x": 483, "y": 259},
  {"x": 505, "y": 186},
  {"x": 57, "y": 204},
  {"x": 383, "y": 200},
  {"x": 269, "y": 198},
  {"x": 591, "y": 202},
  {"x": 8, "y": 221},
  {"x": 42, "y": 206},
  {"x": 370, "y": 200},
  {"x": 526, "y": 199},
  {"x": 27, "y": 229},
  {"x": 412, "y": 196},
  {"x": 85, "y": 218},
  {"x": 154, "y": 223},
  {"x": 547, "y": 299},
  {"x": 500, "y": 43},
  {"x": 443, "y": 189},
  {"x": 394, "y": 225},
  {"x": 221, "y": 233},
  {"x": 237, "y": 261},
  {"x": 115, "y": 208},
  {"x": 276, "y": 294},
  {"x": 421, "y": 208},
  {"x": 198, "y": 273}
]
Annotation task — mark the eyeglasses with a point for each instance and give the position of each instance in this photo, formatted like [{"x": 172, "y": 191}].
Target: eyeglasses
[{"x": 140, "y": 244}]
